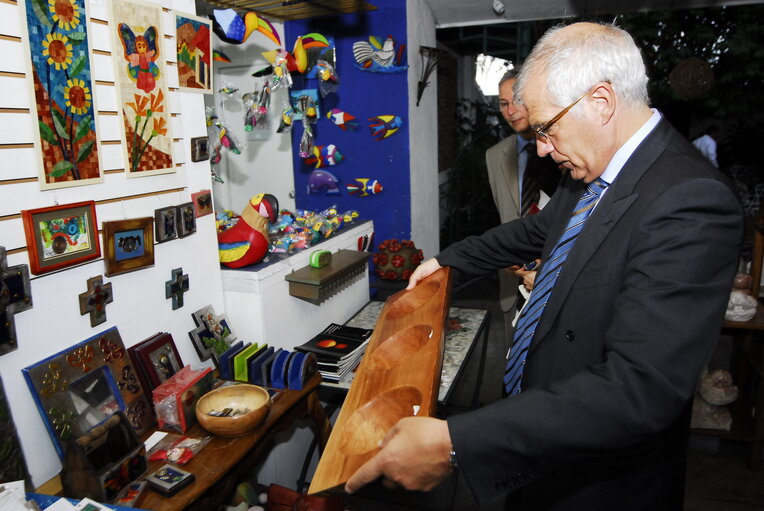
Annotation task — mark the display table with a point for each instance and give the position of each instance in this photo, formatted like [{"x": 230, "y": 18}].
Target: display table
[
  {"x": 223, "y": 462},
  {"x": 468, "y": 326}
]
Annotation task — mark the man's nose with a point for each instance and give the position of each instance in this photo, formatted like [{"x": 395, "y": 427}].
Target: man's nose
[{"x": 543, "y": 146}]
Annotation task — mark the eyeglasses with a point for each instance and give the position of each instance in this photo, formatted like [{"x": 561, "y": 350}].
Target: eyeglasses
[
  {"x": 543, "y": 130},
  {"x": 507, "y": 104}
]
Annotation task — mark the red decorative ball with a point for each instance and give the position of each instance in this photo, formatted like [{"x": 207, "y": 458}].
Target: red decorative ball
[{"x": 396, "y": 260}]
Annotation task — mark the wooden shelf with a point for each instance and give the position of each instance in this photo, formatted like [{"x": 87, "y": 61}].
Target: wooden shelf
[{"x": 315, "y": 285}]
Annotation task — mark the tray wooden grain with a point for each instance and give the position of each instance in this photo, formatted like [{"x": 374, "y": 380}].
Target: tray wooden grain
[{"x": 398, "y": 377}]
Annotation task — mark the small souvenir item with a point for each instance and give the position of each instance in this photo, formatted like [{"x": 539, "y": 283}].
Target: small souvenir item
[
  {"x": 228, "y": 91},
  {"x": 383, "y": 126},
  {"x": 379, "y": 56},
  {"x": 321, "y": 179},
  {"x": 249, "y": 100},
  {"x": 177, "y": 449},
  {"x": 226, "y": 139},
  {"x": 364, "y": 186},
  {"x": 219, "y": 56},
  {"x": 325, "y": 156},
  {"x": 169, "y": 480},
  {"x": 130, "y": 494},
  {"x": 342, "y": 119},
  {"x": 287, "y": 120},
  {"x": 328, "y": 81},
  {"x": 281, "y": 76}
]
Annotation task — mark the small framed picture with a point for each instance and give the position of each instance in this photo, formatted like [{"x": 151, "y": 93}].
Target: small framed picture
[
  {"x": 128, "y": 245},
  {"x": 200, "y": 148},
  {"x": 166, "y": 223},
  {"x": 169, "y": 480},
  {"x": 186, "y": 219},
  {"x": 61, "y": 236},
  {"x": 202, "y": 203},
  {"x": 158, "y": 358}
]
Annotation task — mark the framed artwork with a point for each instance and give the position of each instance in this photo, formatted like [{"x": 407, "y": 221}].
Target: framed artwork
[
  {"x": 83, "y": 385},
  {"x": 166, "y": 223},
  {"x": 200, "y": 148},
  {"x": 66, "y": 140},
  {"x": 186, "y": 219},
  {"x": 61, "y": 236},
  {"x": 202, "y": 203},
  {"x": 158, "y": 359},
  {"x": 212, "y": 335},
  {"x": 128, "y": 245},
  {"x": 141, "y": 78},
  {"x": 193, "y": 36}
]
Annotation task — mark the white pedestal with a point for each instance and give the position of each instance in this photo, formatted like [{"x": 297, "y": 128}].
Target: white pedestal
[{"x": 260, "y": 309}]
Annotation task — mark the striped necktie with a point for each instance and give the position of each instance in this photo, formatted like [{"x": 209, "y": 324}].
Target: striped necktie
[
  {"x": 531, "y": 191},
  {"x": 542, "y": 289}
]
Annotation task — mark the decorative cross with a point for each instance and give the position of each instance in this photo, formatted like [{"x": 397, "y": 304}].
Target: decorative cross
[
  {"x": 175, "y": 287},
  {"x": 15, "y": 296},
  {"x": 94, "y": 300}
]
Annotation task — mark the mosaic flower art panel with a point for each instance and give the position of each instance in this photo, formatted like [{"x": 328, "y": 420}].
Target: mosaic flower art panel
[
  {"x": 63, "y": 93},
  {"x": 141, "y": 79}
]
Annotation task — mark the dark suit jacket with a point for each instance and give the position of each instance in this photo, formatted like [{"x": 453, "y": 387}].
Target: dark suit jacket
[{"x": 633, "y": 317}]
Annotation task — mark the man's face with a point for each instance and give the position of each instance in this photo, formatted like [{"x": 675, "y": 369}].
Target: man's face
[
  {"x": 574, "y": 141},
  {"x": 515, "y": 115}
]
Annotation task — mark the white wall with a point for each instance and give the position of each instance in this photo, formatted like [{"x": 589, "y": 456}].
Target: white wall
[
  {"x": 265, "y": 162},
  {"x": 140, "y": 308},
  {"x": 423, "y": 135}
]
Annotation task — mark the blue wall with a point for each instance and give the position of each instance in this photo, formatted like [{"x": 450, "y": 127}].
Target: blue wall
[{"x": 364, "y": 95}]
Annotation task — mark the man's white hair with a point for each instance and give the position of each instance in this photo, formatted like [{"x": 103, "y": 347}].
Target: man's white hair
[{"x": 577, "y": 57}]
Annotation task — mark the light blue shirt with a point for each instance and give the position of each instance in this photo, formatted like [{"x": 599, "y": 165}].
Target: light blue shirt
[{"x": 623, "y": 154}]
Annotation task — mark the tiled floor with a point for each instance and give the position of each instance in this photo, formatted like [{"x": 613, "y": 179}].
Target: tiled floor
[{"x": 717, "y": 476}]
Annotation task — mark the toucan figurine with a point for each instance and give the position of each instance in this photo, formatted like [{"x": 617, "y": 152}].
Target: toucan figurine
[{"x": 247, "y": 241}]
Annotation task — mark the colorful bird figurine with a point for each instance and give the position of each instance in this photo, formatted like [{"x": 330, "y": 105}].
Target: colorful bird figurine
[
  {"x": 247, "y": 241},
  {"x": 233, "y": 29},
  {"x": 362, "y": 187},
  {"x": 383, "y": 126},
  {"x": 381, "y": 57},
  {"x": 325, "y": 156},
  {"x": 226, "y": 140},
  {"x": 228, "y": 90},
  {"x": 342, "y": 119}
]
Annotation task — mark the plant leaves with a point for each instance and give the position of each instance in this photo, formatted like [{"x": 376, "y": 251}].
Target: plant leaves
[
  {"x": 40, "y": 10},
  {"x": 83, "y": 128},
  {"x": 76, "y": 37},
  {"x": 77, "y": 66},
  {"x": 46, "y": 133},
  {"x": 85, "y": 150},
  {"x": 61, "y": 168},
  {"x": 60, "y": 124}
]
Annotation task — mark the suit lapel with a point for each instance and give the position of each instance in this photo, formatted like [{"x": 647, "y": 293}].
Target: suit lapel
[
  {"x": 511, "y": 172},
  {"x": 619, "y": 197}
]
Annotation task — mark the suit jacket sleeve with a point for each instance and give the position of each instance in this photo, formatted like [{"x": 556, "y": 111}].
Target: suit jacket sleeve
[{"x": 646, "y": 313}]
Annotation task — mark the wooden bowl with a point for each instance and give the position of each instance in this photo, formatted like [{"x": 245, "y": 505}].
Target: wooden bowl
[{"x": 237, "y": 397}]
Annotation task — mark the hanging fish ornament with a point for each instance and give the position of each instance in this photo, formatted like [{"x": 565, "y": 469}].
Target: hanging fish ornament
[
  {"x": 342, "y": 119},
  {"x": 324, "y": 156},
  {"x": 383, "y": 126},
  {"x": 363, "y": 187}
]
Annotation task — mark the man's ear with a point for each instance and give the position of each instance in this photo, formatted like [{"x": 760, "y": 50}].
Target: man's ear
[{"x": 604, "y": 100}]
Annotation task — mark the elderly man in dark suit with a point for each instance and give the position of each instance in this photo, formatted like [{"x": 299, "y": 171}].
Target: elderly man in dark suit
[{"x": 638, "y": 246}]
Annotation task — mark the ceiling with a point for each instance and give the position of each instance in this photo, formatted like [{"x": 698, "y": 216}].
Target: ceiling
[{"x": 459, "y": 13}]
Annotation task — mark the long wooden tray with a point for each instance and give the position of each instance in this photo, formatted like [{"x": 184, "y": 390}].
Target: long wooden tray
[{"x": 398, "y": 377}]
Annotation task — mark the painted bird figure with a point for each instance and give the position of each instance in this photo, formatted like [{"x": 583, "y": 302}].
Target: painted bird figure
[
  {"x": 342, "y": 119},
  {"x": 382, "y": 54},
  {"x": 247, "y": 241}
]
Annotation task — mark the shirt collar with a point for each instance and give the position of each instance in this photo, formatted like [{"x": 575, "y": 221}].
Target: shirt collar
[{"x": 626, "y": 150}]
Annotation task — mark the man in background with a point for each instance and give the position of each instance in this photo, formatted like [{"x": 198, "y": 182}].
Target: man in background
[{"x": 521, "y": 184}]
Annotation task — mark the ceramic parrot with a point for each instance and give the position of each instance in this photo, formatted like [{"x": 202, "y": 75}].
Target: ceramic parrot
[{"x": 247, "y": 241}]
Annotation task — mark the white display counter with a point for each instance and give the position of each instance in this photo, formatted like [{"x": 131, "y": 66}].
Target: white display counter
[{"x": 260, "y": 309}]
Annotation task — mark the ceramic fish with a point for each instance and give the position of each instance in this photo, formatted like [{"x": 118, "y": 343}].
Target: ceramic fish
[
  {"x": 364, "y": 186},
  {"x": 383, "y": 126},
  {"x": 342, "y": 119},
  {"x": 321, "y": 179},
  {"x": 325, "y": 156},
  {"x": 379, "y": 56}
]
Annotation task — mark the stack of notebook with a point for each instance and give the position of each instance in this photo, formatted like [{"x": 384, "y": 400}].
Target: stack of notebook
[{"x": 338, "y": 349}]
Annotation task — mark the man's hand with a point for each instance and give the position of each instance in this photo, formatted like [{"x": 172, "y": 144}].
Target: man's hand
[
  {"x": 414, "y": 455},
  {"x": 426, "y": 268},
  {"x": 527, "y": 276}
]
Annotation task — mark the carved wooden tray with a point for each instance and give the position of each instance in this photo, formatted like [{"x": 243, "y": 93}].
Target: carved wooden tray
[{"x": 398, "y": 377}]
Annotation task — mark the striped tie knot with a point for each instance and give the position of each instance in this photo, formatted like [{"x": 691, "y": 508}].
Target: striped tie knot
[{"x": 544, "y": 283}]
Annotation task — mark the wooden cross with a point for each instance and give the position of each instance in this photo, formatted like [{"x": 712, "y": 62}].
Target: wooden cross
[
  {"x": 175, "y": 287},
  {"x": 15, "y": 296},
  {"x": 94, "y": 300}
]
